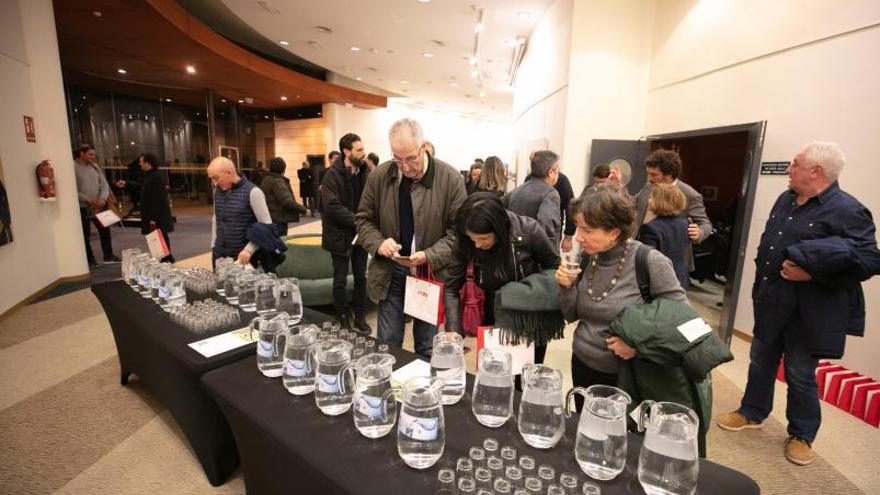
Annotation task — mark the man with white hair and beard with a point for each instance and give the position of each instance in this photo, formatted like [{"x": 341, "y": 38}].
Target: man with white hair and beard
[{"x": 818, "y": 246}]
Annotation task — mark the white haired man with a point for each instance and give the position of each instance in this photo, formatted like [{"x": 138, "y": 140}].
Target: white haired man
[
  {"x": 818, "y": 246},
  {"x": 406, "y": 219}
]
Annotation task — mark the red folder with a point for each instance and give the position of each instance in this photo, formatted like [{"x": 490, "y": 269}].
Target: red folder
[
  {"x": 780, "y": 372},
  {"x": 860, "y": 397},
  {"x": 834, "y": 382},
  {"x": 872, "y": 416},
  {"x": 845, "y": 399},
  {"x": 820, "y": 376}
]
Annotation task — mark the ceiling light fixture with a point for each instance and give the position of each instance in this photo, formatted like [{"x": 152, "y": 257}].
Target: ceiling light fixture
[
  {"x": 482, "y": 94},
  {"x": 190, "y": 69},
  {"x": 122, "y": 71},
  {"x": 169, "y": 100},
  {"x": 241, "y": 101},
  {"x": 354, "y": 48},
  {"x": 223, "y": 100},
  {"x": 472, "y": 60},
  {"x": 479, "y": 27},
  {"x": 404, "y": 81},
  {"x": 453, "y": 84},
  {"x": 475, "y": 73},
  {"x": 283, "y": 98},
  {"x": 428, "y": 55},
  {"x": 423, "y": 1},
  {"x": 359, "y": 79},
  {"x": 97, "y": 13},
  {"x": 284, "y": 42}
]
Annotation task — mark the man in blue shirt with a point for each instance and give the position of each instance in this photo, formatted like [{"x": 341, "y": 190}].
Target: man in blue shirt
[{"x": 817, "y": 247}]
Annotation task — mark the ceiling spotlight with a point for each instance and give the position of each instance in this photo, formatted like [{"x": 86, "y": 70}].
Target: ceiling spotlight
[
  {"x": 122, "y": 71},
  {"x": 169, "y": 100},
  {"x": 524, "y": 15},
  {"x": 283, "y": 98},
  {"x": 97, "y": 13},
  {"x": 354, "y": 48},
  {"x": 482, "y": 94},
  {"x": 453, "y": 84},
  {"x": 190, "y": 69},
  {"x": 423, "y": 1},
  {"x": 359, "y": 79},
  {"x": 223, "y": 100},
  {"x": 404, "y": 81},
  {"x": 428, "y": 55},
  {"x": 284, "y": 42},
  {"x": 131, "y": 142},
  {"x": 241, "y": 101},
  {"x": 297, "y": 97},
  {"x": 474, "y": 73}
]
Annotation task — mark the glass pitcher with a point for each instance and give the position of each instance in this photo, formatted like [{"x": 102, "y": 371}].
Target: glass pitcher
[
  {"x": 492, "y": 398},
  {"x": 266, "y": 300},
  {"x": 375, "y": 406},
  {"x": 668, "y": 461},
  {"x": 298, "y": 368},
  {"x": 333, "y": 386},
  {"x": 231, "y": 288},
  {"x": 271, "y": 327},
  {"x": 600, "y": 448},
  {"x": 447, "y": 362},
  {"x": 541, "y": 417},
  {"x": 220, "y": 267},
  {"x": 247, "y": 292},
  {"x": 289, "y": 299},
  {"x": 421, "y": 434},
  {"x": 172, "y": 290}
]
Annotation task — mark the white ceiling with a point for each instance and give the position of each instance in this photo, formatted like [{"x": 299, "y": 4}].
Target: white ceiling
[{"x": 394, "y": 35}]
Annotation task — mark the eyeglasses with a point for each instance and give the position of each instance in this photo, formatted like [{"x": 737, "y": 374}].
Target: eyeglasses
[{"x": 410, "y": 160}]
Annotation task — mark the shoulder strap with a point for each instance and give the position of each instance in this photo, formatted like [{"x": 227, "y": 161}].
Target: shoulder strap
[{"x": 643, "y": 274}]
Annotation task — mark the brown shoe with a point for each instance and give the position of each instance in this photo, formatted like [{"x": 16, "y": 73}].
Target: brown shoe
[
  {"x": 734, "y": 421},
  {"x": 798, "y": 451}
]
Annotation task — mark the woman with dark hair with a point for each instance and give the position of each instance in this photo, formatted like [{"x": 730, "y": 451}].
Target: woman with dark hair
[
  {"x": 279, "y": 197},
  {"x": 503, "y": 247},
  {"x": 494, "y": 177},
  {"x": 155, "y": 209},
  {"x": 605, "y": 220},
  {"x": 473, "y": 177}
]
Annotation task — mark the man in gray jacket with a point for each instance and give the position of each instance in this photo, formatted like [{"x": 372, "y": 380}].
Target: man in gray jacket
[
  {"x": 94, "y": 197},
  {"x": 406, "y": 219},
  {"x": 537, "y": 198}
]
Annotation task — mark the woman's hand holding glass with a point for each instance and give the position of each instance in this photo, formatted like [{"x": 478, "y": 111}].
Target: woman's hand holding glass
[{"x": 566, "y": 277}]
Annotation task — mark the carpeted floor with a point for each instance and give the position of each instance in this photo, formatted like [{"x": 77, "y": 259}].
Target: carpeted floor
[{"x": 67, "y": 426}]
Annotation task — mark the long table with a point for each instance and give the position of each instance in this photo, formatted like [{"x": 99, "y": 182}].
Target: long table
[
  {"x": 287, "y": 445},
  {"x": 156, "y": 349}
]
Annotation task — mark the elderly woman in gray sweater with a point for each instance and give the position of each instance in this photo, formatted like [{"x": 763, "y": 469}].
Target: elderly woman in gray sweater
[{"x": 605, "y": 223}]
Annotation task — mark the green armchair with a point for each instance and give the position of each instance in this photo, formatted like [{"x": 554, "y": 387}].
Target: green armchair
[{"x": 313, "y": 267}]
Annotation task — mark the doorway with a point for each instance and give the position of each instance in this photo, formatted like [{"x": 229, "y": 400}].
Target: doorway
[{"x": 722, "y": 163}]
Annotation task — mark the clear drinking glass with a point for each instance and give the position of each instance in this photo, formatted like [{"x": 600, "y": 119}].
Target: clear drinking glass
[
  {"x": 514, "y": 475},
  {"x": 508, "y": 455},
  {"x": 534, "y": 486},
  {"x": 478, "y": 455},
  {"x": 541, "y": 414},
  {"x": 569, "y": 482},
  {"x": 546, "y": 473},
  {"x": 144, "y": 277},
  {"x": 298, "y": 373},
  {"x": 247, "y": 292},
  {"x": 554, "y": 489},
  {"x": 333, "y": 385},
  {"x": 220, "y": 267},
  {"x": 290, "y": 299},
  {"x": 490, "y": 445},
  {"x": 127, "y": 257},
  {"x": 447, "y": 362},
  {"x": 591, "y": 489},
  {"x": 375, "y": 405},
  {"x": 502, "y": 486},
  {"x": 231, "y": 288},
  {"x": 270, "y": 352},
  {"x": 668, "y": 462},
  {"x": 421, "y": 435},
  {"x": 483, "y": 477},
  {"x": 446, "y": 481},
  {"x": 600, "y": 448},
  {"x": 265, "y": 288},
  {"x": 492, "y": 398},
  {"x": 495, "y": 466},
  {"x": 527, "y": 464},
  {"x": 466, "y": 485},
  {"x": 571, "y": 259}
]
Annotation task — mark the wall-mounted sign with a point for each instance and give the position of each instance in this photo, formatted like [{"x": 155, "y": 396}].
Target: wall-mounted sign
[
  {"x": 30, "y": 132},
  {"x": 774, "y": 168}
]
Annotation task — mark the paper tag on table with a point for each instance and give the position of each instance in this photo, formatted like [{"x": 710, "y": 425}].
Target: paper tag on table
[
  {"x": 404, "y": 373},
  {"x": 694, "y": 329},
  {"x": 219, "y": 344}
]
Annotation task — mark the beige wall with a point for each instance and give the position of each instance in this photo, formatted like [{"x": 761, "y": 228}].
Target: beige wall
[
  {"x": 48, "y": 237},
  {"x": 294, "y": 139},
  {"x": 723, "y": 63}
]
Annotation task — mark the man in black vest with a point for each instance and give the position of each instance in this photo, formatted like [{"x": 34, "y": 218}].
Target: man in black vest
[
  {"x": 341, "y": 193},
  {"x": 238, "y": 204}
]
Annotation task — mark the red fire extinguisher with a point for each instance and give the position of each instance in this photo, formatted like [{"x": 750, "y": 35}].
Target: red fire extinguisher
[{"x": 46, "y": 179}]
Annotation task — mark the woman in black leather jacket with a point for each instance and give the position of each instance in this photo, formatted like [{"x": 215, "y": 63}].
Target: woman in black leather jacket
[{"x": 503, "y": 246}]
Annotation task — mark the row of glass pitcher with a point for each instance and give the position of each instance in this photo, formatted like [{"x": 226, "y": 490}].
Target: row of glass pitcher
[
  {"x": 161, "y": 282},
  {"x": 254, "y": 291}
]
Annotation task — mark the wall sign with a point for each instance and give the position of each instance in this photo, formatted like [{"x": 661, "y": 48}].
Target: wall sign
[
  {"x": 30, "y": 132},
  {"x": 774, "y": 168}
]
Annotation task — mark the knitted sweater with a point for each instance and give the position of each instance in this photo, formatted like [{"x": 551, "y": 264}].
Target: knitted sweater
[{"x": 593, "y": 328}]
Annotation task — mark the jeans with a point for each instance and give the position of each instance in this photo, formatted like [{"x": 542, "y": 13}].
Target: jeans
[
  {"x": 802, "y": 410},
  {"x": 103, "y": 234},
  {"x": 358, "y": 262},
  {"x": 390, "y": 318},
  {"x": 584, "y": 376}
]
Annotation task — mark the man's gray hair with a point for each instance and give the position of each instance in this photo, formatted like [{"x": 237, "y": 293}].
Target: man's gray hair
[
  {"x": 542, "y": 162},
  {"x": 827, "y": 154},
  {"x": 414, "y": 127}
]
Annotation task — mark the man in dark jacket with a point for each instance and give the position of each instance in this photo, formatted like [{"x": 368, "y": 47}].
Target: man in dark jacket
[
  {"x": 406, "y": 219},
  {"x": 306, "y": 186},
  {"x": 283, "y": 208},
  {"x": 537, "y": 198},
  {"x": 341, "y": 193},
  {"x": 805, "y": 311},
  {"x": 155, "y": 209}
]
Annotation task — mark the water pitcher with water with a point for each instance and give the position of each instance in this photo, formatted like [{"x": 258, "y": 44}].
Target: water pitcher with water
[
  {"x": 333, "y": 385},
  {"x": 271, "y": 327},
  {"x": 421, "y": 429},
  {"x": 375, "y": 406},
  {"x": 289, "y": 299},
  {"x": 492, "y": 398},
  {"x": 298, "y": 373},
  {"x": 541, "y": 414},
  {"x": 600, "y": 448},
  {"x": 668, "y": 461},
  {"x": 447, "y": 362}
]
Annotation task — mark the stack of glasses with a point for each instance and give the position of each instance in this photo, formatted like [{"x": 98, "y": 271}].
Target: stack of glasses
[
  {"x": 204, "y": 316},
  {"x": 199, "y": 280}
]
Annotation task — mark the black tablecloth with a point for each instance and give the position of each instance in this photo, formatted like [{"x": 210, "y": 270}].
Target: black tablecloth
[
  {"x": 154, "y": 348},
  {"x": 288, "y": 446}
]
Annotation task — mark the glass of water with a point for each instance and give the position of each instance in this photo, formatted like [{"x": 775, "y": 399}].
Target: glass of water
[
  {"x": 447, "y": 362},
  {"x": 265, "y": 294},
  {"x": 247, "y": 292},
  {"x": 492, "y": 399},
  {"x": 290, "y": 299},
  {"x": 421, "y": 428}
]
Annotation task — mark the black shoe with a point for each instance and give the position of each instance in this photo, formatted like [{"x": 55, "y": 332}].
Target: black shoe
[
  {"x": 112, "y": 259},
  {"x": 93, "y": 264},
  {"x": 362, "y": 327},
  {"x": 345, "y": 322}
]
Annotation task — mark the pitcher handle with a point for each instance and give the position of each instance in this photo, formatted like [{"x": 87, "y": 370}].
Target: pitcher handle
[
  {"x": 311, "y": 357},
  {"x": 276, "y": 345},
  {"x": 252, "y": 329},
  {"x": 348, "y": 368},
  {"x": 570, "y": 395},
  {"x": 390, "y": 396},
  {"x": 643, "y": 409}
]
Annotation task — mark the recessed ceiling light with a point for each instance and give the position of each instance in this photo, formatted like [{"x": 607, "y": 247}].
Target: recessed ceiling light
[
  {"x": 131, "y": 142},
  {"x": 472, "y": 60},
  {"x": 122, "y": 71},
  {"x": 169, "y": 100},
  {"x": 284, "y": 42},
  {"x": 482, "y": 94},
  {"x": 524, "y": 15},
  {"x": 359, "y": 78},
  {"x": 241, "y": 101},
  {"x": 97, "y": 13},
  {"x": 509, "y": 42},
  {"x": 453, "y": 84},
  {"x": 474, "y": 73},
  {"x": 404, "y": 81},
  {"x": 283, "y": 98},
  {"x": 354, "y": 48},
  {"x": 223, "y": 100},
  {"x": 428, "y": 55},
  {"x": 423, "y": 1},
  {"x": 297, "y": 97},
  {"x": 190, "y": 69}
]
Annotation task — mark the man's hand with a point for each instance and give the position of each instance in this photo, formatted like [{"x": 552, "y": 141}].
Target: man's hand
[
  {"x": 152, "y": 226},
  {"x": 566, "y": 244},
  {"x": 565, "y": 277},
  {"x": 619, "y": 348},
  {"x": 100, "y": 202},
  {"x": 791, "y": 271},
  {"x": 388, "y": 248},
  {"x": 244, "y": 257},
  {"x": 693, "y": 231},
  {"x": 418, "y": 258}
]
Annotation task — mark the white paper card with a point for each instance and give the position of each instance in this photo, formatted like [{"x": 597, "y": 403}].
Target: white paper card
[
  {"x": 107, "y": 218},
  {"x": 219, "y": 344},
  {"x": 694, "y": 329},
  {"x": 521, "y": 354},
  {"x": 404, "y": 373}
]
